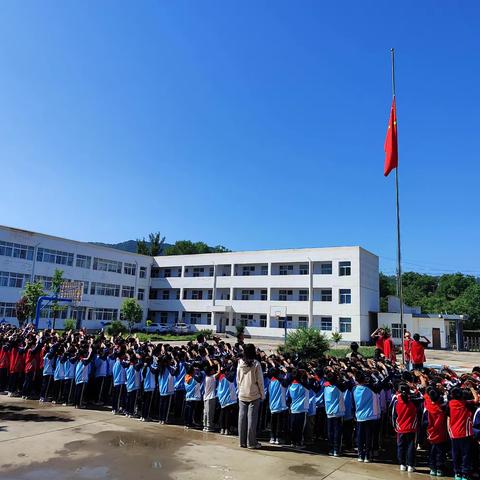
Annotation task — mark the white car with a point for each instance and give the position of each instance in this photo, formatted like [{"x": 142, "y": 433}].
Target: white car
[
  {"x": 181, "y": 329},
  {"x": 158, "y": 328}
]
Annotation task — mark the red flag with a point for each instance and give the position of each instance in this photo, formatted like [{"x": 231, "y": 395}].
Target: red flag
[{"x": 391, "y": 145}]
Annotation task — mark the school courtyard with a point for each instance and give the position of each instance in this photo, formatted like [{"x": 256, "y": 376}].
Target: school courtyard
[{"x": 50, "y": 442}]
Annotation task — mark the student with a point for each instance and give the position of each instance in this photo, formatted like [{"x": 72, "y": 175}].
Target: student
[
  {"x": 133, "y": 382},
  {"x": 277, "y": 400},
  {"x": 210, "y": 396},
  {"x": 166, "y": 386},
  {"x": 69, "y": 375},
  {"x": 405, "y": 421},
  {"x": 417, "y": 351},
  {"x": 82, "y": 375},
  {"x": 460, "y": 429},
  {"x": 48, "y": 366},
  {"x": 437, "y": 434},
  {"x": 407, "y": 350},
  {"x": 366, "y": 413},
  {"x": 59, "y": 375},
  {"x": 149, "y": 375},
  {"x": 194, "y": 386},
  {"x": 348, "y": 420},
  {"x": 300, "y": 401},
  {"x": 228, "y": 399},
  {"x": 31, "y": 360},
  {"x": 179, "y": 386},
  {"x": 335, "y": 410},
  {"x": 119, "y": 380},
  {"x": 100, "y": 374},
  {"x": 354, "y": 353},
  {"x": 389, "y": 348},
  {"x": 4, "y": 366},
  {"x": 378, "y": 336}
]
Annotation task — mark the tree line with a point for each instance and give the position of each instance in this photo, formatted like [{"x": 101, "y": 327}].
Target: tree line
[{"x": 449, "y": 293}]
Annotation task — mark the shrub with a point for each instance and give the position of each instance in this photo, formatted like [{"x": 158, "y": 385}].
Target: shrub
[
  {"x": 240, "y": 329},
  {"x": 207, "y": 333},
  {"x": 306, "y": 343},
  {"x": 336, "y": 337},
  {"x": 69, "y": 324},
  {"x": 116, "y": 328}
]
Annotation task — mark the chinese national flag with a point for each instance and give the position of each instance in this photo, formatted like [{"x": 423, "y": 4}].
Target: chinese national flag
[{"x": 391, "y": 145}]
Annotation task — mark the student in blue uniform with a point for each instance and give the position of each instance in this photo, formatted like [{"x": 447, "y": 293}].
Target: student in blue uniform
[
  {"x": 166, "y": 386},
  {"x": 335, "y": 411},
  {"x": 149, "y": 374},
  {"x": 69, "y": 368},
  {"x": 59, "y": 375},
  {"x": 100, "y": 374},
  {"x": 228, "y": 398},
  {"x": 300, "y": 400},
  {"x": 277, "y": 399},
  {"x": 119, "y": 381},
  {"x": 133, "y": 382},
  {"x": 194, "y": 384},
  {"x": 82, "y": 375},
  {"x": 179, "y": 395},
  {"x": 48, "y": 368}
]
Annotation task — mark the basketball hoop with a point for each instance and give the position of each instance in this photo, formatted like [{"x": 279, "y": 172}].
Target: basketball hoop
[{"x": 71, "y": 290}]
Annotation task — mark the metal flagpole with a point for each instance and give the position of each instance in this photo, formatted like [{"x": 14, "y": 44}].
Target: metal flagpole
[{"x": 399, "y": 252}]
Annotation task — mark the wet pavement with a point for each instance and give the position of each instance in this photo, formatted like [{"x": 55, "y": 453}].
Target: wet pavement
[{"x": 50, "y": 442}]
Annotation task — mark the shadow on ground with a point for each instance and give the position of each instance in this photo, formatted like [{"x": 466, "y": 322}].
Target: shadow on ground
[{"x": 13, "y": 413}]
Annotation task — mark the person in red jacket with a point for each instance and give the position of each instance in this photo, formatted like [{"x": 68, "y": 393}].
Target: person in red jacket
[
  {"x": 378, "y": 335},
  {"x": 389, "y": 348},
  {"x": 437, "y": 434},
  {"x": 31, "y": 366},
  {"x": 417, "y": 351},
  {"x": 407, "y": 350},
  {"x": 4, "y": 367},
  {"x": 405, "y": 418},
  {"x": 460, "y": 429}
]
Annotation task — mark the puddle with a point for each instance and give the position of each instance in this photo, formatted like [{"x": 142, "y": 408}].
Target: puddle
[{"x": 305, "y": 469}]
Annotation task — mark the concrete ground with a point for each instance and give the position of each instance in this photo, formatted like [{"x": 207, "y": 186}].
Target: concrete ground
[{"x": 44, "y": 441}]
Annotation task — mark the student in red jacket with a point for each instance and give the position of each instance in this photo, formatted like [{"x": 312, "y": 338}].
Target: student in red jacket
[
  {"x": 460, "y": 428},
  {"x": 389, "y": 348},
  {"x": 405, "y": 417},
  {"x": 437, "y": 434},
  {"x": 4, "y": 366},
  {"x": 417, "y": 351},
  {"x": 407, "y": 350}
]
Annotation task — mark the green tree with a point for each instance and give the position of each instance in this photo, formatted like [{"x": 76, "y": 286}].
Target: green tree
[
  {"x": 307, "y": 343},
  {"x": 187, "y": 247},
  {"x": 153, "y": 247},
  {"x": 142, "y": 247},
  {"x": 387, "y": 287},
  {"x": 336, "y": 337},
  {"x": 32, "y": 292},
  {"x": 57, "y": 281},
  {"x": 131, "y": 311},
  {"x": 23, "y": 311},
  {"x": 469, "y": 304}
]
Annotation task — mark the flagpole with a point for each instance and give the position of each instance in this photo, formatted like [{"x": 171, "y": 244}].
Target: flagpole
[{"x": 399, "y": 252}]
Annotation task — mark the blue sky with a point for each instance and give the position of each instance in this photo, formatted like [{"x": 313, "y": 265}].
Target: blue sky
[{"x": 253, "y": 124}]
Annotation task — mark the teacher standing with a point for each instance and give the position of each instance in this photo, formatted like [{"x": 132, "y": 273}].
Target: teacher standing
[{"x": 250, "y": 395}]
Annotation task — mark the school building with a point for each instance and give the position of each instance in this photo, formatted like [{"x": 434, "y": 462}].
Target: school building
[{"x": 332, "y": 289}]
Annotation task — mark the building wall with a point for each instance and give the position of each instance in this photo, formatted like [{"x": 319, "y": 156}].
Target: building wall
[
  {"x": 308, "y": 273},
  {"x": 34, "y": 267}
]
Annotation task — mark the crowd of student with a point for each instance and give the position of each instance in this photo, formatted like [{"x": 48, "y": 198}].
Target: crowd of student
[{"x": 351, "y": 404}]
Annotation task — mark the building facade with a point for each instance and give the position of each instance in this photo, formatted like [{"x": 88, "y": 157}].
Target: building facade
[{"x": 332, "y": 289}]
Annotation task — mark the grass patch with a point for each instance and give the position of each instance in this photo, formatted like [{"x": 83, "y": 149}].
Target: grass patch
[
  {"x": 167, "y": 337},
  {"x": 341, "y": 352}
]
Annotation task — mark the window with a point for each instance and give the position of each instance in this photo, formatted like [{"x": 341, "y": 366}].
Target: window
[
  {"x": 197, "y": 271},
  {"x": 141, "y": 294},
  {"x": 143, "y": 272},
  {"x": 103, "y": 314},
  {"x": 225, "y": 296},
  {"x": 345, "y": 295},
  {"x": 263, "y": 321},
  {"x": 195, "y": 318},
  {"x": 128, "y": 292},
  {"x": 326, "y": 324},
  {"x": 106, "y": 289},
  {"x": 248, "y": 270},
  {"x": 264, "y": 270},
  {"x": 326, "y": 268},
  {"x": 326, "y": 295},
  {"x": 7, "y": 310},
  {"x": 129, "y": 268},
  {"x": 85, "y": 286},
  {"x": 344, "y": 269},
  {"x": 345, "y": 325},
  {"x": 163, "y": 317},
  {"x": 16, "y": 250},
  {"x": 14, "y": 280},
  {"x": 54, "y": 256},
  {"x": 396, "y": 330},
  {"x": 45, "y": 281},
  {"x": 165, "y": 294},
  {"x": 177, "y": 294},
  {"x": 303, "y": 295},
  {"x": 263, "y": 295},
  {"x": 284, "y": 294},
  {"x": 209, "y": 294},
  {"x": 302, "y": 322},
  {"x": 285, "y": 269},
  {"x": 246, "y": 319},
  {"x": 107, "y": 265},
  {"x": 211, "y": 271},
  {"x": 167, "y": 272},
  {"x": 246, "y": 294},
  {"x": 197, "y": 295},
  {"x": 83, "y": 261},
  {"x": 303, "y": 270}
]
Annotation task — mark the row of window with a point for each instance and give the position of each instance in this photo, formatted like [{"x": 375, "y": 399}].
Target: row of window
[
  {"x": 15, "y": 280},
  {"x": 323, "y": 268},
  {"x": 59, "y": 257},
  {"x": 113, "y": 290}
]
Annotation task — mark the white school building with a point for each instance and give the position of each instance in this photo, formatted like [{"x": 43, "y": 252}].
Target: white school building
[{"x": 332, "y": 289}]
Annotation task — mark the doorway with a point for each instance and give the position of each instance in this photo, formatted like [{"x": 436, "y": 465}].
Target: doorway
[{"x": 436, "y": 341}]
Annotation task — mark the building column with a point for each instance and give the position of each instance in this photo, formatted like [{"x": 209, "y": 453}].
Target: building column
[
  {"x": 310, "y": 293},
  {"x": 214, "y": 289}
]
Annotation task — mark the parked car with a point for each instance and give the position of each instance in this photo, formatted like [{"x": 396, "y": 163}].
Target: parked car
[
  {"x": 157, "y": 328},
  {"x": 182, "y": 329}
]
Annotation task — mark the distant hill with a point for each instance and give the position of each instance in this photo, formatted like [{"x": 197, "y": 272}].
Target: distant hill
[{"x": 128, "y": 246}]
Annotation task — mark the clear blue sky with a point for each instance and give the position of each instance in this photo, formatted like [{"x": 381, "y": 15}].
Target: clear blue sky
[{"x": 252, "y": 124}]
